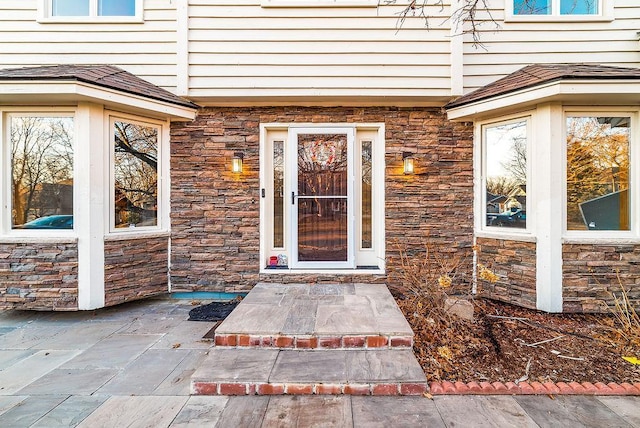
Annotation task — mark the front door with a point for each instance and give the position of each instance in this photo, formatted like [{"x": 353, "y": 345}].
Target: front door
[{"x": 321, "y": 197}]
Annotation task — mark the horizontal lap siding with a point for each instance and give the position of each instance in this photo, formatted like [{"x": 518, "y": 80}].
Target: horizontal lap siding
[
  {"x": 243, "y": 49},
  {"x": 147, "y": 49},
  {"x": 517, "y": 44}
]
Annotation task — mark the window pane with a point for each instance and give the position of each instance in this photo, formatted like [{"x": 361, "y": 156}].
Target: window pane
[
  {"x": 531, "y": 7},
  {"x": 598, "y": 173},
  {"x": 278, "y": 194},
  {"x": 136, "y": 175},
  {"x": 116, "y": 7},
  {"x": 366, "y": 194},
  {"x": 578, "y": 7},
  {"x": 506, "y": 175},
  {"x": 70, "y": 8},
  {"x": 41, "y": 172}
]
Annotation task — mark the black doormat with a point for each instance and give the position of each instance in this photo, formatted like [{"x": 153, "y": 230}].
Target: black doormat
[{"x": 214, "y": 311}]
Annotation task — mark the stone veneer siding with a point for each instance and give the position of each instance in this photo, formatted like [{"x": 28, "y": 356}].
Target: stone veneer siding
[
  {"x": 135, "y": 268},
  {"x": 515, "y": 263},
  {"x": 215, "y": 214},
  {"x": 591, "y": 273},
  {"x": 40, "y": 276}
]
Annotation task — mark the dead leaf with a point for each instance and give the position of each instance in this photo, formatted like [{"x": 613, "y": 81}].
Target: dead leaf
[{"x": 176, "y": 345}]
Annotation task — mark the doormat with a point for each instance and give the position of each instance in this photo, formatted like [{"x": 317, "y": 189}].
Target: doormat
[{"x": 214, "y": 311}]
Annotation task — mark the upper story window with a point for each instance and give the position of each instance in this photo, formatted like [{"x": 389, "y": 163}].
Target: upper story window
[
  {"x": 556, "y": 7},
  {"x": 91, "y": 10},
  {"x": 505, "y": 172},
  {"x": 41, "y": 164},
  {"x": 598, "y": 172}
]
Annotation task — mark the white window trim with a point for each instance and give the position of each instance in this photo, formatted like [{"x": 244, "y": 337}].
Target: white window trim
[
  {"x": 163, "y": 219},
  {"x": 605, "y": 8},
  {"x": 482, "y": 230},
  {"x": 6, "y": 229},
  {"x": 634, "y": 174},
  {"x": 45, "y": 17},
  {"x": 378, "y": 197}
]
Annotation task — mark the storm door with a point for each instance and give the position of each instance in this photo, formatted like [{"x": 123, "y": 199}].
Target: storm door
[{"x": 321, "y": 197}]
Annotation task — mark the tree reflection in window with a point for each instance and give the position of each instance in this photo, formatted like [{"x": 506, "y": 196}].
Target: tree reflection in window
[
  {"x": 598, "y": 173},
  {"x": 136, "y": 174},
  {"x": 505, "y": 159},
  {"x": 41, "y": 170}
]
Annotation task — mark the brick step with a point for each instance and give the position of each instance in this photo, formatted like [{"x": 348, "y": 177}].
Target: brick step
[
  {"x": 305, "y": 341},
  {"x": 258, "y": 371}
]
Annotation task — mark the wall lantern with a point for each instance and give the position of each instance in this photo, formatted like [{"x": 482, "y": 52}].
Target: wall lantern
[
  {"x": 408, "y": 162},
  {"x": 236, "y": 162}
]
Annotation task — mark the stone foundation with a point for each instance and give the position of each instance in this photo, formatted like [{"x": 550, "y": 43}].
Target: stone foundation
[
  {"x": 39, "y": 276},
  {"x": 515, "y": 263},
  {"x": 135, "y": 268},
  {"x": 592, "y": 273}
]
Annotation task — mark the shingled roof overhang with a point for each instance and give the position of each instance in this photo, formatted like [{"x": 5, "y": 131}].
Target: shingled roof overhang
[
  {"x": 571, "y": 84},
  {"x": 103, "y": 84}
]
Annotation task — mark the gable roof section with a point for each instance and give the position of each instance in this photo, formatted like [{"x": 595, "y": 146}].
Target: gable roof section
[
  {"x": 105, "y": 76},
  {"x": 539, "y": 74}
]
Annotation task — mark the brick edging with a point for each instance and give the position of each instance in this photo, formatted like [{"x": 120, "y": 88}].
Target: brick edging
[
  {"x": 314, "y": 342},
  {"x": 533, "y": 388},
  {"x": 257, "y": 388}
]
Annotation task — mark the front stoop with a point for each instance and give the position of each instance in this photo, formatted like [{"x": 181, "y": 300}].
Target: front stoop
[
  {"x": 313, "y": 339},
  {"x": 273, "y": 371}
]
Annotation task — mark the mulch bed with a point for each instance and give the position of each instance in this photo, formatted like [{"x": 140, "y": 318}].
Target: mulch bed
[{"x": 506, "y": 343}]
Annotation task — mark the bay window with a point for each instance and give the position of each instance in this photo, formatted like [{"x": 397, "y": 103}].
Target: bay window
[
  {"x": 598, "y": 172},
  {"x": 505, "y": 173},
  {"x": 41, "y": 150},
  {"x": 135, "y": 174}
]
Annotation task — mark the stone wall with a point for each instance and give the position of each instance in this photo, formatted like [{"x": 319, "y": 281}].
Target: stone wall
[
  {"x": 135, "y": 268},
  {"x": 591, "y": 273},
  {"x": 40, "y": 276},
  {"x": 515, "y": 263},
  {"x": 215, "y": 213}
]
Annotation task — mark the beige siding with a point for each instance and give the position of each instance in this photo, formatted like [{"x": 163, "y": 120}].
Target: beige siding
[
  {"x": 238, "y": 48},
  {"x": 146, "y": 49},
  {"x": 517, "y": 44}
]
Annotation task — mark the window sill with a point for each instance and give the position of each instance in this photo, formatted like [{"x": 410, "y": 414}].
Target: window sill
[
  {"x": 558, "y": 18},
  {"x": 92, "y": 20},
  {"x": 138, "y": 234},
  {"x": 599, "y": 240},
  {"x": 318, "y": 3},
  {"x": 31, "y": 239},
  {"x": 505, "y": 236}
]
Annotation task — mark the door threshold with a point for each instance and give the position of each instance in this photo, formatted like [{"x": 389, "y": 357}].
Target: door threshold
[{"x": 360, "y": 270}]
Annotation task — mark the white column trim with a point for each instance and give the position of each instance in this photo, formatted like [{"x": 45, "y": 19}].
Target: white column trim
[
  {"x": 548, "y": 159},
  {"x": 91, "y": 164},
  {"x": 457, "y": 52},
  {"x": 182, "y": 47}
]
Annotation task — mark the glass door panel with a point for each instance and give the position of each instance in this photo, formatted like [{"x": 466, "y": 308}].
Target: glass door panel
[{"x": 323, "y": 199}]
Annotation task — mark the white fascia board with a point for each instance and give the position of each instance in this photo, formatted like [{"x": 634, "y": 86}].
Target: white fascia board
[
  {"x": 617, "y": 92},
  {"x": 11, "y": 91}
]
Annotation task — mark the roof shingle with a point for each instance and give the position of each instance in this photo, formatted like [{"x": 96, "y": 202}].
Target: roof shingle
[
  {"x": 106, "y": 76},
  {"x": 538, "y": 74}
]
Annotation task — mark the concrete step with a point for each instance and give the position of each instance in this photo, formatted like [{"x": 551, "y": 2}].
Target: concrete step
[
  {"x": 255, "y": 371},
  {"x": 316, "y": 316}
]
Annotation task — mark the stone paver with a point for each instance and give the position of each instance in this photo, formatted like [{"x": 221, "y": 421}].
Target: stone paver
[
  {"x": 319, "y": 309},
  {"x": 36, "y": 381}
]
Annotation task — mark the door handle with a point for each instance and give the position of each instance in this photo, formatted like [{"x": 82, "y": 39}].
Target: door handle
[{"x": 293, "y": 198}]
